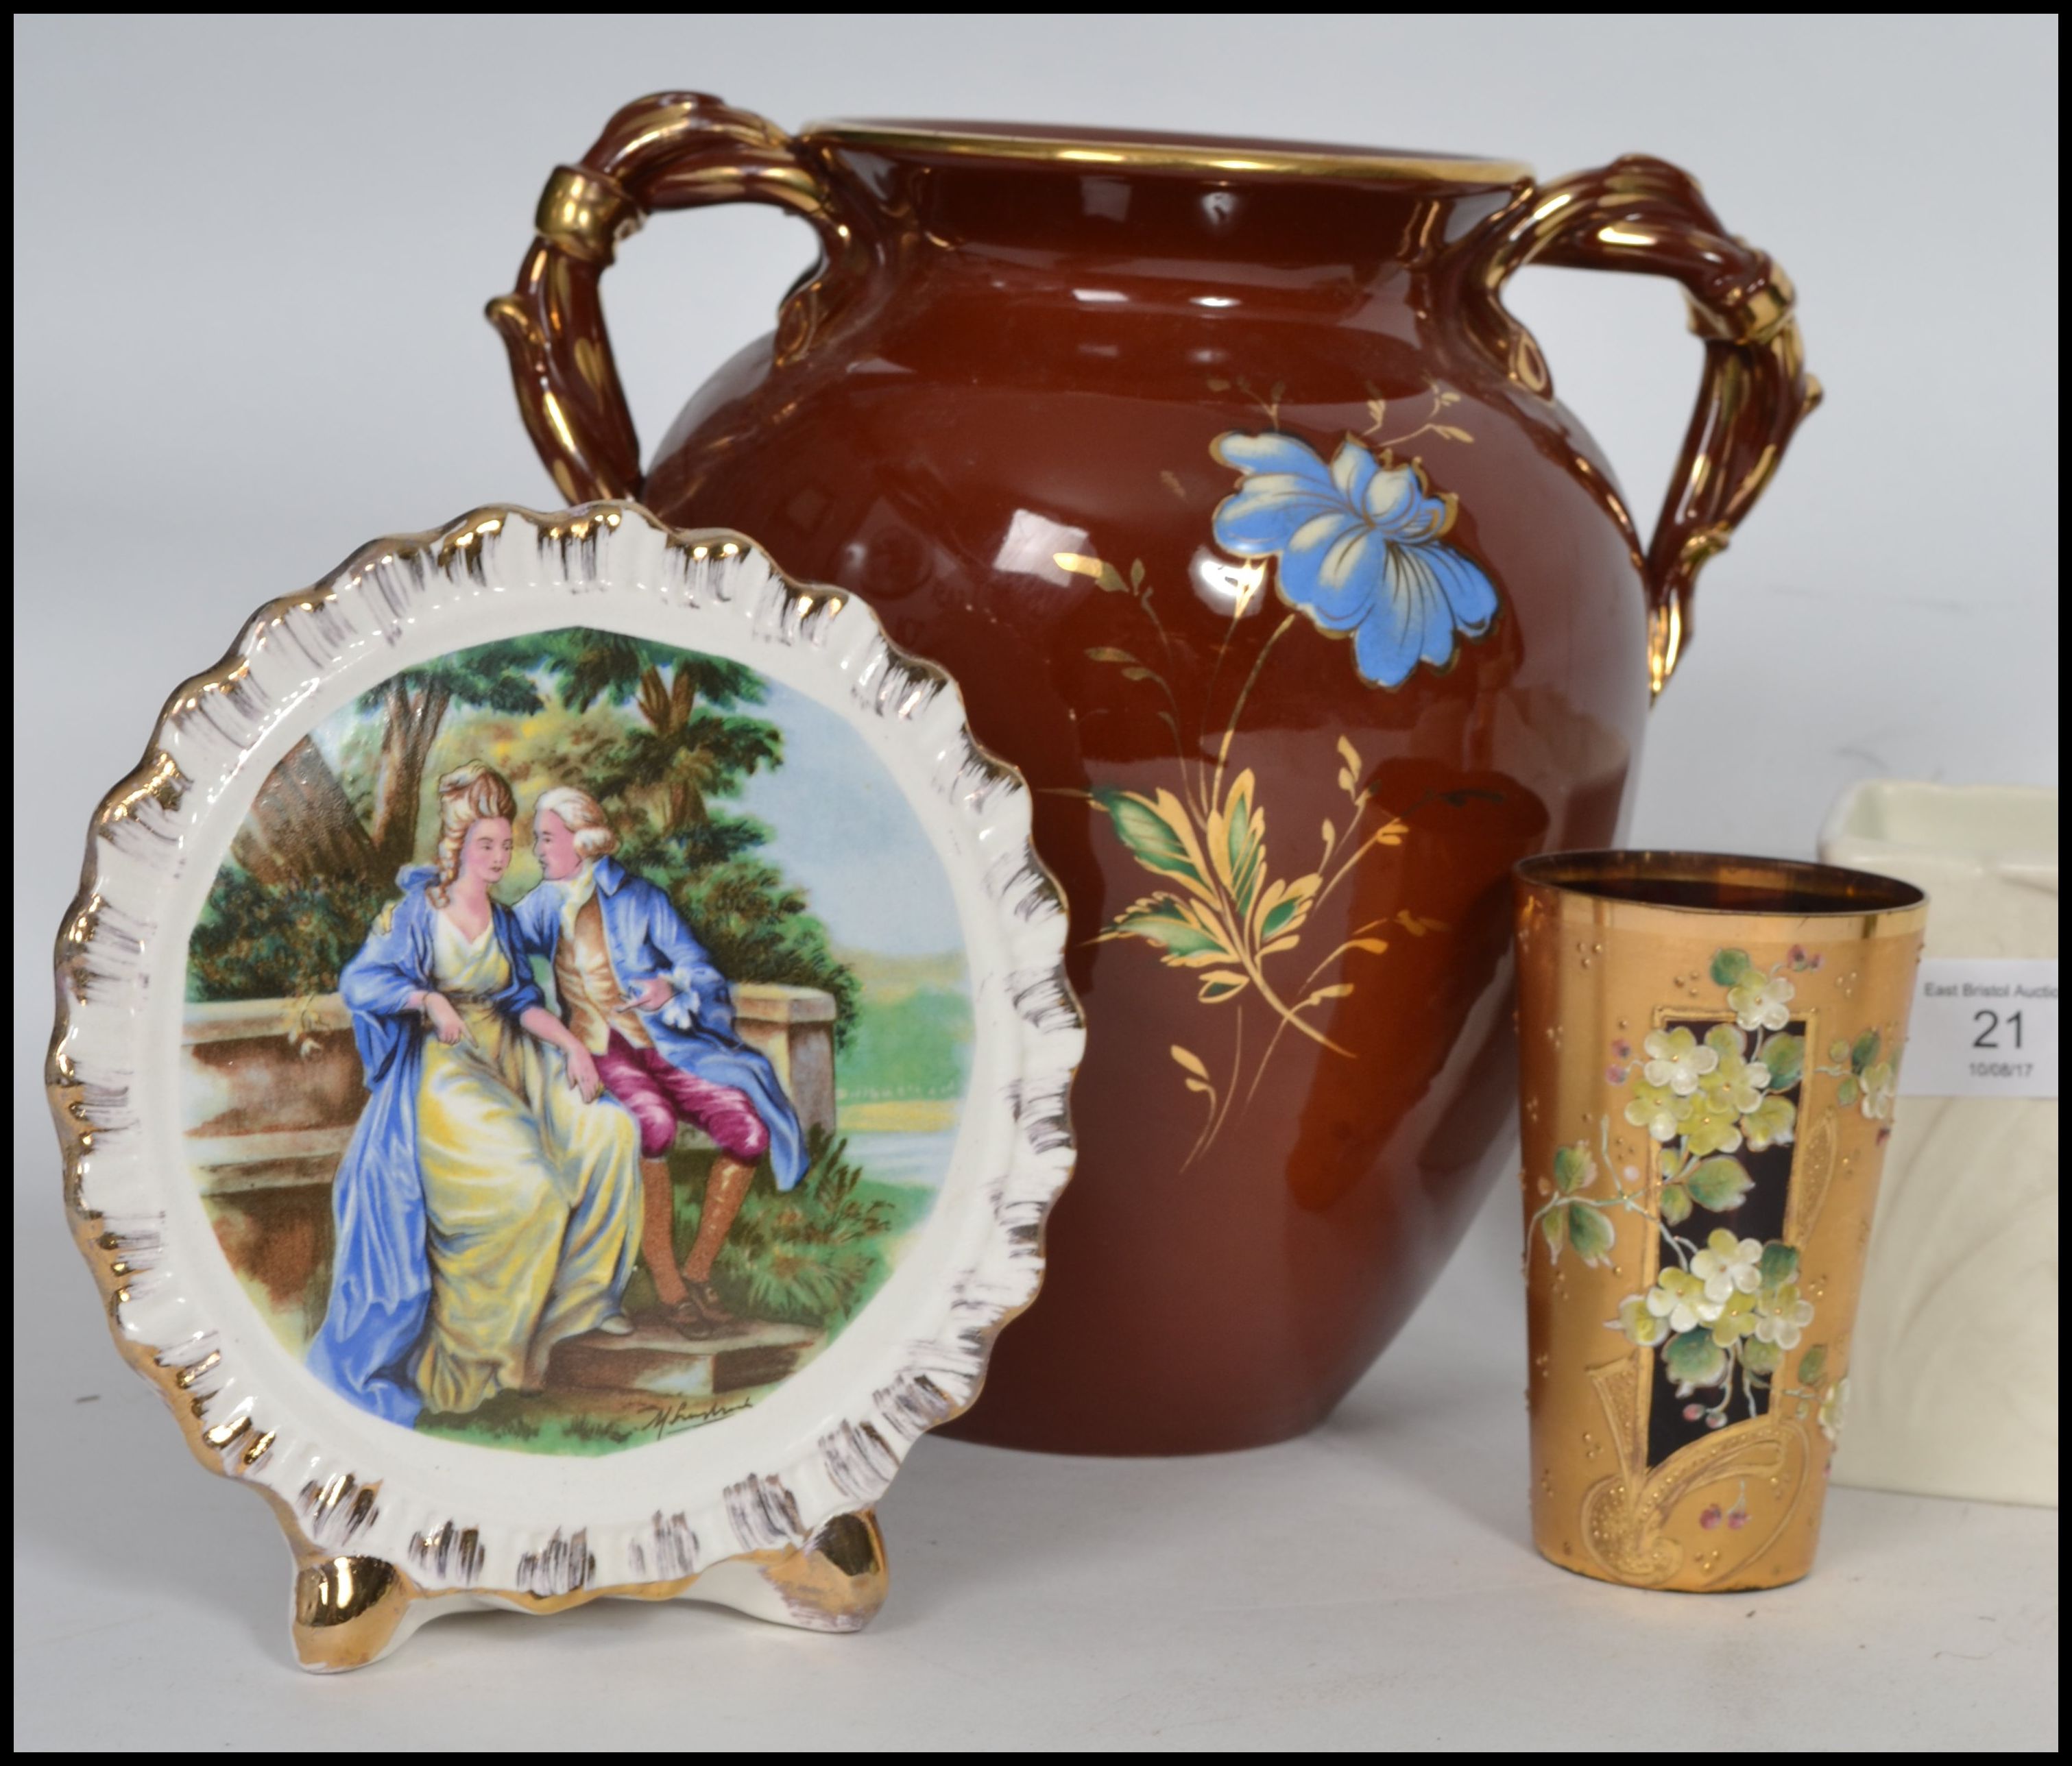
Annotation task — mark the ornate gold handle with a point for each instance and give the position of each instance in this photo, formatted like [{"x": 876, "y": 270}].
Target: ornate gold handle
[
  {"x": 674, "y": 150},
  {"x": 1645, "y": 214}
]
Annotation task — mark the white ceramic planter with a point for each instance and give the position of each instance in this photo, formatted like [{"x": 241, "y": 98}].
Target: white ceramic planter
[{"x": 1955, "y": 1365}]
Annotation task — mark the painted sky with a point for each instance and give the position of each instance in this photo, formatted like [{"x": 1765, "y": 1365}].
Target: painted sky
[{"x": 840, "y": 828}]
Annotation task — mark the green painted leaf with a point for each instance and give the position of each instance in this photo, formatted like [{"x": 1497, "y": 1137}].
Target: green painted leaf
[
  {"x": 1693, "y": 1358},
  {"x": 1812, "y": 1365},
  {"x": 1554, "y": 1228},
  {"x": 1785, "y": 1056},
  {"x": 1573, "y": 1167},
  {"x": 1163, "y": 921},
  {"x": 1758, "y": 1356},
  {"x": 1848, "y": 1092},
  {"x": 1590, "y": 1233},
  {"x": 1779, "y": 1265},
  {"x": 1243, "y": 851},
  {"x": 1278, "y": 916},
  {"x": 1675, "y": 1203},
  {"x": 1220, "y": 984},
  {"x": 1729, "y": 966},
  {"x": 1720, "y": 1184},
  {"x": 1152, "y": 841},
  {"x": 1863, "y": 1050}
]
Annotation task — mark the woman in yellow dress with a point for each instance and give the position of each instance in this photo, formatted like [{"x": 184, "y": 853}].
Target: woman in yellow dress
[{"x": 487, "y": 1208}]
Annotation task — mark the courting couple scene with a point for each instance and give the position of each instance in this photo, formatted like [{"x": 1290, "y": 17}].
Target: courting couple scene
[{"x": 622, "y": 1094}]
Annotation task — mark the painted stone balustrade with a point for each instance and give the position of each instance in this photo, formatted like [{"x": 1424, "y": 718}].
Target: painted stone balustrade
[{"x": 275, "y": 1085}]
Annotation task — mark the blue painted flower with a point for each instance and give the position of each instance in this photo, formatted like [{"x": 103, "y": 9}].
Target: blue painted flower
[{"x": 1357, "y": 549}]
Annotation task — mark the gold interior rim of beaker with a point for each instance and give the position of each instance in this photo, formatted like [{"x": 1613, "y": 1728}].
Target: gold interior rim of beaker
[{"x": 1721, "y": 883}]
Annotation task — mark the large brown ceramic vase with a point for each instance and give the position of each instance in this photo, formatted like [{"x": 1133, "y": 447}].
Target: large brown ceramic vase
[{"x": 1217, "y": 474}]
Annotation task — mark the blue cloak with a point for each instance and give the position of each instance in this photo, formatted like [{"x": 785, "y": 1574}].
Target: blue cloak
[
  {"x": 381, "y": 1278},
  {"x": 647, "y": 941}
]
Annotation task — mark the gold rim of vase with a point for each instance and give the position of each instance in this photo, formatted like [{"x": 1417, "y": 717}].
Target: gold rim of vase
[{"x": 1127, "y": 150}]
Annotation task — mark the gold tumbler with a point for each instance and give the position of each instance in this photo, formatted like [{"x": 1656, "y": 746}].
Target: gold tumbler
[{"x": 1710, "y": 1051}]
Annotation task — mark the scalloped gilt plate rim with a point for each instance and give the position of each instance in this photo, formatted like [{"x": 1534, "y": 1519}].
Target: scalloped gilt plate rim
[{"x": 376, "y": 1551}]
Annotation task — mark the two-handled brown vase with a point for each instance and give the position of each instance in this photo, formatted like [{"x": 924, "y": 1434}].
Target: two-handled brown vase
[{"x": 1219, "y": 477}]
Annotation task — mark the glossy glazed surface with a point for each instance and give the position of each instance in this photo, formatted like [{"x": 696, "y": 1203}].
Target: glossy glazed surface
[{"x": 1011, "y": 373}]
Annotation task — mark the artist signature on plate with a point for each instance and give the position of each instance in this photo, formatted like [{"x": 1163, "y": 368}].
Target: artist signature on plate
[{"x": 676, "y": 1416}]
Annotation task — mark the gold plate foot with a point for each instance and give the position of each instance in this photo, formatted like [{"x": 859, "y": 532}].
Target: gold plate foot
[
  {"x": 837, "y": 1580},
  {"x": 350, "y": 1612}
]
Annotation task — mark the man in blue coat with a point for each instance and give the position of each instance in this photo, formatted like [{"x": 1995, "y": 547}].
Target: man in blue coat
[{"x": 640, "y": 993}]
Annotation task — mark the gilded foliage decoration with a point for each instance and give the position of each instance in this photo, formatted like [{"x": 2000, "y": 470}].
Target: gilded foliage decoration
[{"x": 1224, "y": 909}]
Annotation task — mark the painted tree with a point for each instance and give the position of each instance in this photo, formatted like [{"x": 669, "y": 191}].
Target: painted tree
[
  {"x": 303, "y": 828},
  {"x": 664, "y": 737},
  {"x": 496, "y": 677},
  {"x": 692, "y": 743},
  {"x": 694, "y": 747}
]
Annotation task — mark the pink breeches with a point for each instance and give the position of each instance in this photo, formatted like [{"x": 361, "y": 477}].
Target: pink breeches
[{"x": 659, "y": 1096}]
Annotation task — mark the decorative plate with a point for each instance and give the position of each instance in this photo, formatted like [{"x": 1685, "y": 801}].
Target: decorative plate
[{"x": 562, "y": 1065}]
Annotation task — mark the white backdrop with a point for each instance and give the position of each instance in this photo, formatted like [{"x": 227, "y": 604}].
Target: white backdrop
[{"x": 251, "y": 257}]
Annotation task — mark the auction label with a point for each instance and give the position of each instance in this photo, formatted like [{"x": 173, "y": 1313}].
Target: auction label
[{"x": 1982, "y": 1027}]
